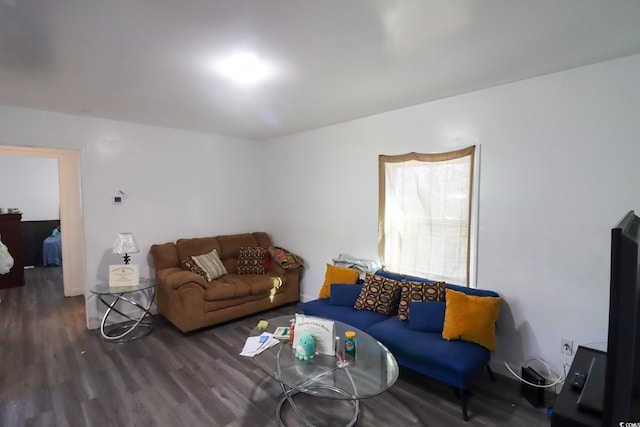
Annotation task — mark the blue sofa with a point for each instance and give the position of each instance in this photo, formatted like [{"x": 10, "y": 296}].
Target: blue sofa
[{"x": 416, "y": 343}]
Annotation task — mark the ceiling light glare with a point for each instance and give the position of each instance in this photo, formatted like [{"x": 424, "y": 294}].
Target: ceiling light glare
[{"x": 243, "y": 68}]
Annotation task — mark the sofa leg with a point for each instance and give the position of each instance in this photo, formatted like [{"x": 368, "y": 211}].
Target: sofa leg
[
  {"x": 493, "y": 379},
  {"x": 463, "y": 402}
]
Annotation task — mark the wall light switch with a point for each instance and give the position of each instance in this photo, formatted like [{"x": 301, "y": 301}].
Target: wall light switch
[{"x": 117, "y": 200}]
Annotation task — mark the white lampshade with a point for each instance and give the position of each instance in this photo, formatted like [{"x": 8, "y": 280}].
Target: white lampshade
[{"x": 125, "y": 244}]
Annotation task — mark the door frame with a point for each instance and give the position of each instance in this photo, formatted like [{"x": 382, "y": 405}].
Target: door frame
[{"x": 71, "y": 218}]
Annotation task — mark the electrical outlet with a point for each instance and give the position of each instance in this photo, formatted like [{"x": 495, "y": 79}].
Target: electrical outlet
[{"x": 566, "y": 346}]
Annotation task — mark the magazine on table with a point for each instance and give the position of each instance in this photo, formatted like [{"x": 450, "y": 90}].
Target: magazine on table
[{"x": 323, "y": 332}]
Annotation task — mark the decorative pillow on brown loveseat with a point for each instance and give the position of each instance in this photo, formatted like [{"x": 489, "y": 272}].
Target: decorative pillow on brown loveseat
[
  {"x": 418, "y": 292},
  {"x": 208, "y": 265},
  {"x": 188, "y": 264},
  {"x": 379, "y": 294},
  {"x": 251, "y": 260},
  {"x": 285, "y": 259}
]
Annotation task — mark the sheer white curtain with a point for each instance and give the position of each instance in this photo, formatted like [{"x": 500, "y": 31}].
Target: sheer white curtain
[{"x": 425, "y": 214}]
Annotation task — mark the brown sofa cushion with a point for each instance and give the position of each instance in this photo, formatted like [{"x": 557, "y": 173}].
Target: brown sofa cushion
[
  {"x": 197, "y": 246},
  {"x": 226, "y": 287},
  {"x": 230, "y": 245},
  {"x": 239, "y": 285}
]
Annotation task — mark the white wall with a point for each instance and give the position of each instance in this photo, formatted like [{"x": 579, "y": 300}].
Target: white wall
[
  {"x": 31, "y": 185},
  {"x": 559, "y": 159},
  {"x": 177, "y": 183},
  {"x": 559, "y": 167}
]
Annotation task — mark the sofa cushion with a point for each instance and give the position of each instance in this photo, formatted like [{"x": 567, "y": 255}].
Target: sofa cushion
[
  {"x": 427, "y": 316},
  {"x": 210, "y": 264},
  {"x": 197, "y": 246},
  {"x": 335, "y": 274},
  {"x": 418, "y": 291},
  {"x": 241, "y": 285},
  {"x": 472, "y": 291},
  {"x": 458, "y": 363},
  {"x": 379, "y": 294},
  {"x": 471, "y": 318},
  {"x": 251, "y": 260},
  {"x": 230, "y": 244},
  {"x": 400, "y": 276},
  {"x": 390, "y": 275},
  {"x": 361, "y": 319},
  {"x": 226, "y": 287},
  {"x": 344, "y": 295}
]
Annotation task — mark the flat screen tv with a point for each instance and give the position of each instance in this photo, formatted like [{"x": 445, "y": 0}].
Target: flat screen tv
[{"x": 622, "y": 384}]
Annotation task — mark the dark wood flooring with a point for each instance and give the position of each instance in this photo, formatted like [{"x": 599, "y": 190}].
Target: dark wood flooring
[{"x": 55, "y": 372}]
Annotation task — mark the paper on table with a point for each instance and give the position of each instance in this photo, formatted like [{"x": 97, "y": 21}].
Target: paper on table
[{"x": 253, "y": 345}]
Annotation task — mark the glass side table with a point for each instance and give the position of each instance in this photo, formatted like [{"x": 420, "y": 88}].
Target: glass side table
[{"x": 135, "y": 327}]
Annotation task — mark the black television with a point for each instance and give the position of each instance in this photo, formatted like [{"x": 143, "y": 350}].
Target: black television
[{"x": 622, "y": 380}]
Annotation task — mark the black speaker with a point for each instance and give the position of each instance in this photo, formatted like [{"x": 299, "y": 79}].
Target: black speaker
[{"x": 535, "y": 395}]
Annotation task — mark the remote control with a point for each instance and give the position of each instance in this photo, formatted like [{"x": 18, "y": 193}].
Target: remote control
[{"x": 578, "y": 380}]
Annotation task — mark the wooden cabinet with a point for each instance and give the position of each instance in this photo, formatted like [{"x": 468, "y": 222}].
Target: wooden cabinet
[{"x": 11, "y": 235}]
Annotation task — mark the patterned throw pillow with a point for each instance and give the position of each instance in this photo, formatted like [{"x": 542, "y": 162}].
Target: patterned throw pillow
[
  {"x": 208, "y": 265},
  {"x": 251, "y": 260},
  {"x": 379, "y": 294},
  {"x": 418, "y": 292},
  {"x": 188, "y": 264},
  {"x": 285, "y": 259}
]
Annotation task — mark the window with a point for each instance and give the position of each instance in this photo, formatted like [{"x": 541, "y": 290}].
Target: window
[{"x": 425, "y": 214}]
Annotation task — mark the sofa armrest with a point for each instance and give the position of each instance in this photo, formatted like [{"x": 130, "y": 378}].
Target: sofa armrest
[
  {"x": 164, "y": 256},
  {"x": 177, "y": 277},
  {"x": 276, "y": 268}
]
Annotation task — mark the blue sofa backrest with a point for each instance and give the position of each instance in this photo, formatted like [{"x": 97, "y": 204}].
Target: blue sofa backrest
[
  {"x": 466, "y": 290},
  {"x": 472, "y": 291}
]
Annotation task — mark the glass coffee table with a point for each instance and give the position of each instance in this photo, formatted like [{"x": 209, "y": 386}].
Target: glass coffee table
[
  {"x": 372, "y": 371},
  {"x": 139, "y": 324}
]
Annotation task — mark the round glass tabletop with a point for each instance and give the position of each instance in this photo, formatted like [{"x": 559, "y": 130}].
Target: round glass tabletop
[
  {"x": 372, "y": 371},
  {"x": 105, "y": 289}
]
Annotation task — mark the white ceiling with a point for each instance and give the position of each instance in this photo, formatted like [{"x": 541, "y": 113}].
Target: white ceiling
[{"x": 149, "y": 61}]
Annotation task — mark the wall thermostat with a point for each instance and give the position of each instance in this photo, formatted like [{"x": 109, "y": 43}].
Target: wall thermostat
[{"x": 118, "y": 198}]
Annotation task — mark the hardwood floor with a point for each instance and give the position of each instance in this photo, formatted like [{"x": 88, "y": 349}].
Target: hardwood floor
[{"x": 55, "y": 372}]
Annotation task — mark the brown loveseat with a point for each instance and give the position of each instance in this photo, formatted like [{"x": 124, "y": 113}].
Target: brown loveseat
[{"x": 190, "y": 302}]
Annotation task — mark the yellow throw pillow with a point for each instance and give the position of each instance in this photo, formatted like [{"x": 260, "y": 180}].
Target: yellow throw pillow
[
  {"x": 471, "y": 318},
  {"x": 337, "y": 275}
]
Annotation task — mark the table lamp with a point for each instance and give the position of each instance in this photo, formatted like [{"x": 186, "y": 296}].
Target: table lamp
[{"x": 125, "y": 244}]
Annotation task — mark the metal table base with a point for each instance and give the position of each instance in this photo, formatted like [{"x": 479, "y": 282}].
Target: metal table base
[{"x": 134, "y": 328}]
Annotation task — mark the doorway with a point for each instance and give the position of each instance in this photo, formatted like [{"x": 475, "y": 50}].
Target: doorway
[{"x": 71, "y": 220}]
